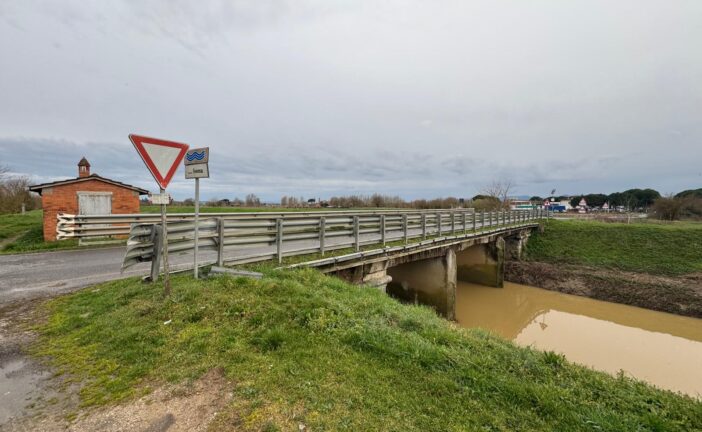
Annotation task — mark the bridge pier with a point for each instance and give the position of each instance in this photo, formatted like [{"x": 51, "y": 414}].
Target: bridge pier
[
  {"x": 430, "y": 281},
  {"x": 483, "y": 264},
  {"x": 429, "y": 275},
  {"x": 514, "y": 245}
]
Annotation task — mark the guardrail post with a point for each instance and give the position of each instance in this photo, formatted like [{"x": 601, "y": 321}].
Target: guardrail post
[
  {"x": 322, "y": 229},
  {"x": 220, "y": 242},
  {"x": 279, "y": 239},
  {"x": 356, "y": 242},
  {"x": 464, "y": 215},
  {"x": 438, "y": 223},
  {"x": 453, "y": 223},
  {"x": 382, "y": 229},
  {"x": 475, "y": 216},
  {"x": 424, "y": 226},
  {"x": 482, "y": 220},
  {"x": 157, "y": 240},
  {"x": 404, "y": 227}
]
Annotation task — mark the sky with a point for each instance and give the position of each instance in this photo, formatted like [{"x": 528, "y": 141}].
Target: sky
[{"x": 308, "y": 98}]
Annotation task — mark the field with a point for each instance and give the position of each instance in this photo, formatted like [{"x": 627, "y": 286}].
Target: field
[
  {"x": 23, "y": 233},
  {"x": 303, "y": 348},
  {"x": 662, "y": 249}
]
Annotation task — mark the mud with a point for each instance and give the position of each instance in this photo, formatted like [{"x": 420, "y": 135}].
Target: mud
[{"x": 679, "y": 295}]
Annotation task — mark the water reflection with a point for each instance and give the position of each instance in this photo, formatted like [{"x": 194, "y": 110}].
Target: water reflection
[{"x": 661, "y": 348}]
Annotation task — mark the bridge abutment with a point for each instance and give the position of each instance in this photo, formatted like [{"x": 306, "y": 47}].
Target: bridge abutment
[
  {"x": 483, "y": 264},
  {"x": 430, "y": 281}
]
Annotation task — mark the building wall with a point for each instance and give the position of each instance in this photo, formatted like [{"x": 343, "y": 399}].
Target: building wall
[{"x": 64, "y": 199}]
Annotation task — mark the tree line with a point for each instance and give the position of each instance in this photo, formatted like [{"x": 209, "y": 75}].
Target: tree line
[{"x": 632, "y": 199}]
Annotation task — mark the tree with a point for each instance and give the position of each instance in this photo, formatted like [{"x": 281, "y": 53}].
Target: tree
[
  {"x": 252, "y": 200},
  {"x": 536, "y": 199},
  {"x": 499, "y": 189},
  {"x": 14, "y": 192},
  {"x": 696, "y": 193},
  {"x": 668, "y": 208}
]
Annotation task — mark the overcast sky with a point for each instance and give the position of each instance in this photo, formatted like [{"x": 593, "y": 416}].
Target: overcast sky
[{"x": 316, "y": 98}]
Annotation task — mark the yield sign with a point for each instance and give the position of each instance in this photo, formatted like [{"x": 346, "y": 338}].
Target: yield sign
[{"x": 160, "y": 156}]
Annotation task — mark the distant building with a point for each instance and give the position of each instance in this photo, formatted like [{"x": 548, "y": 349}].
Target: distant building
[{"x": 87, "y": 194}]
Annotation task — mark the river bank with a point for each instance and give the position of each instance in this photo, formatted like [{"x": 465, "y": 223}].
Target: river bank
[
  {"x": 680, "y": 295},
  {"x": 298, "y": 350},
  {"x": 653, "y": 266}
]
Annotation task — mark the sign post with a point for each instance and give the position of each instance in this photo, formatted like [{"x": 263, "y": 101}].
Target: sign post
[
  {"x": 197, "y": 166},
  {"x": 162, "y": 159}
]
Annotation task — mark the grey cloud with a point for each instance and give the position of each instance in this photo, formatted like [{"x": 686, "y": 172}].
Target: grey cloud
[{"x": 314, "y": 97}]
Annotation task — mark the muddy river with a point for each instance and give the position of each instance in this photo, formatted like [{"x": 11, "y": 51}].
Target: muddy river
[{"x": 660, "y": 348}]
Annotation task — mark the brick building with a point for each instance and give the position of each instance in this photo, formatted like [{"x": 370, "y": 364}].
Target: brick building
[{"x": 86, "y": 194}]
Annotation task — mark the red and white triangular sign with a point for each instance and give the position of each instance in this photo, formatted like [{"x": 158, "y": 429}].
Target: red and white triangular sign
[{"x": 161, "y": 157}]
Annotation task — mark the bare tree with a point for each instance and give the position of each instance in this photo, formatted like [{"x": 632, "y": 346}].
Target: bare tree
[
  {"x": 14, "y": 193},
  {"x": 252, "y": 200},
  {"x": 499, "y": 189}
]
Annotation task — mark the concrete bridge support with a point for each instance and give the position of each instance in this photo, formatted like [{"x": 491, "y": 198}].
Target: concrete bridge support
[
  {"x": 429, "y": 275},
  {"x": 431, "y": 282},
  {"x": 483, "y": 264},
  {"x": 514, "y": 245}
]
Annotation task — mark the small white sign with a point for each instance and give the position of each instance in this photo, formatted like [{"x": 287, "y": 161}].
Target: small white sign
[
  {"x": 201, "y": 170},
  {"x": 162, "y": 199}
]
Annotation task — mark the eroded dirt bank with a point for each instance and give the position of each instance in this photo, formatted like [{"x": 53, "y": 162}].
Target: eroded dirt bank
[{"x": 679, "y": 295}]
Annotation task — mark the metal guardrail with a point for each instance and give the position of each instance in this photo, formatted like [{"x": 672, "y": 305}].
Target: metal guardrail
[
  {"x": 262, "y": 236},
  {"x": 90, "y": 227}
]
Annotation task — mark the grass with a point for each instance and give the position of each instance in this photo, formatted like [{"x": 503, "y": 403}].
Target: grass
[
  {"x": 667, "y": 249},
  {"x": 302, "y": 347},
  {"x": 23, "y": 233}
]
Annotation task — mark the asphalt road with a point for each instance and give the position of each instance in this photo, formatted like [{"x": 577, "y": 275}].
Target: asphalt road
[{"x": 33, "y": 275}]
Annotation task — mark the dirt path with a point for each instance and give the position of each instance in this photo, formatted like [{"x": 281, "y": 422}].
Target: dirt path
[
  {"x": 33, "y": 399},
  {"x": 679, "y": 295}
]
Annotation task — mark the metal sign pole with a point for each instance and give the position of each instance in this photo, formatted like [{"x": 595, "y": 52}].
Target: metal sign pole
[
  {"x": 166, "y": 279},
  {"x": 197, "y": 226}
]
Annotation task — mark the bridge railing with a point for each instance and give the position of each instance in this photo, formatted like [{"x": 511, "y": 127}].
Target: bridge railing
[{"x": 256, "y": 237}]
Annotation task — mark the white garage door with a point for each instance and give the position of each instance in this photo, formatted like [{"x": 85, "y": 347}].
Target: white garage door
[{"x": 94, "y": 203}]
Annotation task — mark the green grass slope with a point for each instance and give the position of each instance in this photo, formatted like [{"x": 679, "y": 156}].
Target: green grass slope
[
  {"x": 302, "y": 347},
  {"x": 651, "y": 248},
  {"x": 24, "y": 233}
]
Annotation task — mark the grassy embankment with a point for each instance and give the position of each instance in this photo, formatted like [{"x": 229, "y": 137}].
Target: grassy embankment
[
  {"x": 654, "y": 266},
  {"x": 302, "y": 347},
  {"x": 663, "y": 249},
  {"x": 23, "y": 233}
]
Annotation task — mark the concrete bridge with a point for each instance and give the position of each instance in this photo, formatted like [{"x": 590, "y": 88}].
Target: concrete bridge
[{"x": 427, "y": 272}]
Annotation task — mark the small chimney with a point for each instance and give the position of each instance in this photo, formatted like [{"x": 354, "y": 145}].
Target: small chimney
[{"x": 83, "y": 168}]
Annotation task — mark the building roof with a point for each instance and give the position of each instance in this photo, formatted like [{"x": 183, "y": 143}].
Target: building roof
[
  {"x": 84, "y": 162},
  {"x": 38, "y": 188}
]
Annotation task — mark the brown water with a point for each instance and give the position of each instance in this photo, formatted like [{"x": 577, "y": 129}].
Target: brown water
[{"x": 660, "y": 348}]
